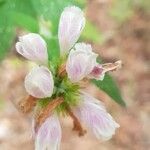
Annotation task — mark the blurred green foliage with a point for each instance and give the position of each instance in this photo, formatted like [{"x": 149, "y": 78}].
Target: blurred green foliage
[
  {"x": 27, "y": 15},
  {"x": 91, "y": 33},
  {"x": 6, "y": 28}
]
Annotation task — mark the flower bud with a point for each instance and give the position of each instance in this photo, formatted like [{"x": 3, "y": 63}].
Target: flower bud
[
  {"x": 71, "y": 24},
  {"x": 39, "y": 82},
  {"x": 33, "y": 47}
]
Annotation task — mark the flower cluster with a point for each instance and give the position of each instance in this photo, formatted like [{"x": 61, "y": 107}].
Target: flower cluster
[{"x": 53, "y": 94}]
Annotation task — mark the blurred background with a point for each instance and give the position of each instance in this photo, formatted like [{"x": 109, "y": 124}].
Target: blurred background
[{"x": 117, "y": 30}]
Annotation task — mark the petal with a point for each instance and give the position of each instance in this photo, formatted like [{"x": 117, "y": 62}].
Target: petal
[
  {"x": 97, "y": 73},
  {"x": 83, "y": 47},
  {"x": 94, "y": 115},
  {"x": 33, "y": 47},
  {"x": 87, "y": 97},
  {"x": 76, "y": 66},
  {"x": 99, "y": 70},
  {"x": 87, "y": 49},
  {"x": 49, "y": 135},
  {"x": 39, "y": 82},
  {"x": 71, "y": 24},
  {"x": 81, "y": 61}
]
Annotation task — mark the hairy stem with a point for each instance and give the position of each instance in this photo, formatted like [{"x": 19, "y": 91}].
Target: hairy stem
[
  {"x": 62, "y": 70},
  {"x": 27, "y": 104},
  {"x": 77, "y": 124},
  {"x": 47, "y": 111}
]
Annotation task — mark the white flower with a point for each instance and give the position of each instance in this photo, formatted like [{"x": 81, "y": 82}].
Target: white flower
[
  {"x": 94, "y": 115},
  {"x": 81, "y": 61},
  {"x": 49, "y": 135},
  {"x": 71, "y": 24},
  {"x": 33, "y": 47}
]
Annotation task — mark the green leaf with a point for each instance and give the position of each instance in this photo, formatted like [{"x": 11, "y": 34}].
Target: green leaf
[
  {"x": 6, "y": 29},
  {"x": 25, "y": 21},
  {"x": 53, "y": 49},
  {"x": 6, "y": 39},
  {"x": 81, "y": 3},
  {"x": 91, "y": 33},
  {"x": 23, "y": 6},
  {"x": 7, "y": 20},
  {"x": 2, "y": 2},
  {"x": 109, "y": 86}
]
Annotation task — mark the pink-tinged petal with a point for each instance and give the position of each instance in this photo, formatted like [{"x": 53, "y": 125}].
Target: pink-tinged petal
[
  {"x": 98, "y": 72},
  {"x": 94, "y": 115},
  {"x": 71, "y": 24},
  {"x": 49, "y": 135},
  {"x": 83, "y": 47},
  {"x": 33, "y": 47},
  {"x": 88, "y": 98},
  {"x": 81, "y": 61},
  {"x": 39, "y": 82}
]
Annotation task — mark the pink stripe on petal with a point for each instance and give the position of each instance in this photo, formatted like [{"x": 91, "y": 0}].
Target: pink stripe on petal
[
  {"x": 49, "y": 135},
  {"x": 71, "y": 24},
  {"x": 94, "y": 115}
]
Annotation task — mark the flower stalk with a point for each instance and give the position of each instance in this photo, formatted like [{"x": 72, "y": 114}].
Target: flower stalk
[
  {"x": 27, "y": 104},
  {"x": 47, "y": 111},
  {"x": 62, "y": 70},
  {"x": 77, "y": 125}
]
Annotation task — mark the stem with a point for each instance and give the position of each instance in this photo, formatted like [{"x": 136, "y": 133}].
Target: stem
[
  {"x": 27, "y": 104},
  {"x": 47, "y": 111},
  {"x": 62, "y": 70},
  {"x": 77, "y": 124}
]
